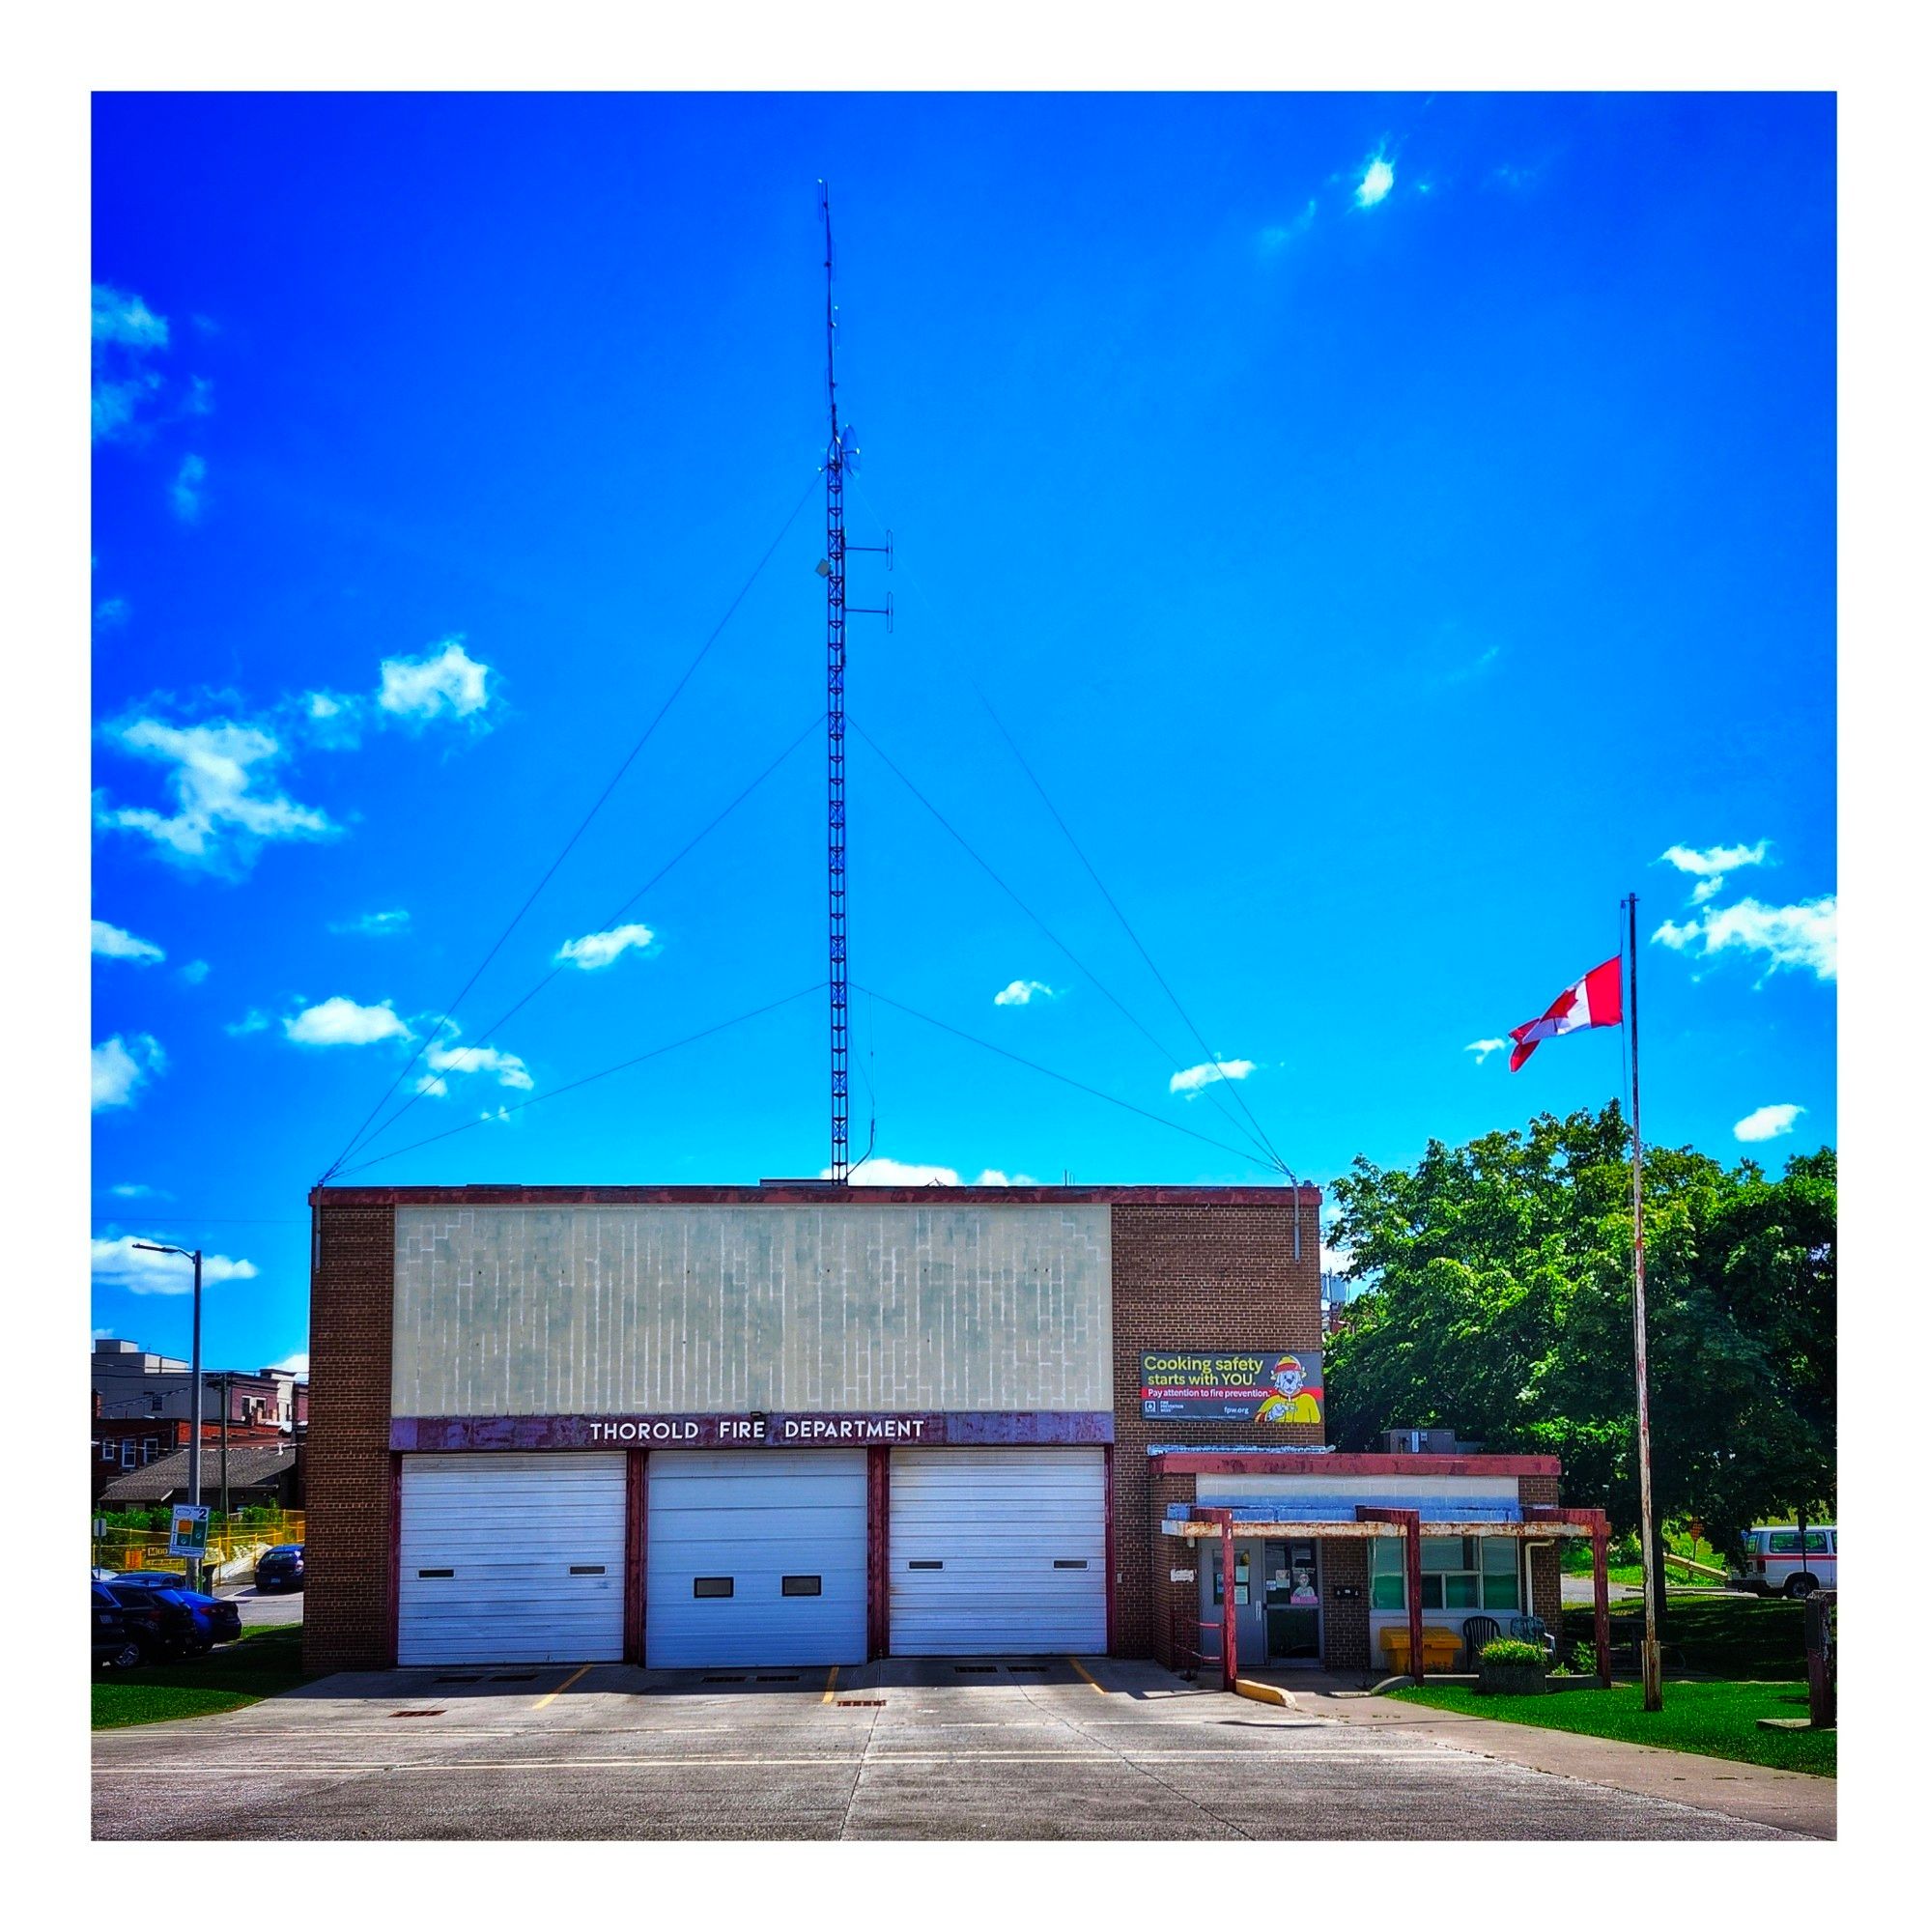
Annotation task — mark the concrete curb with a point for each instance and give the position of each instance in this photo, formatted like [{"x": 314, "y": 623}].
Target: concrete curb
[{"x": 1265, "y": 1694}]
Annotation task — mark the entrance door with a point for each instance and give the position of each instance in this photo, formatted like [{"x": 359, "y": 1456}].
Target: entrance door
[{"x": 1291, "y": 1603}]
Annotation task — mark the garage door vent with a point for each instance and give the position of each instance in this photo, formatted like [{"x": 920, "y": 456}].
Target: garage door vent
[
  {"x": 418, "y": 1714},
  {"x": 976, "y": 1669}
]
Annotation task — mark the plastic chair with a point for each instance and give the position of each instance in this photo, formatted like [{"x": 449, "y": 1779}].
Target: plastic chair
[
  {"x": 1531, "y": 1629},
  {"x": 1478, "y": 1632}
]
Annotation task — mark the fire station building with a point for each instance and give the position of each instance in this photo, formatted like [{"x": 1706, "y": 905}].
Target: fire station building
[{"x": 805, "y": 1423}]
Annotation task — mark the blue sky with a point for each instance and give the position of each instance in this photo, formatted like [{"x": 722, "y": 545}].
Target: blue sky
[{"x": 1389, "y": 527}]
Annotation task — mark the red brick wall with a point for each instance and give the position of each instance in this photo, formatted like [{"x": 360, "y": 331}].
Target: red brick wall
[
  {"x": 1195, "y": 1275},
  {"x": 1344, "y": 1561},
  {"x": 1543, "y": 1564},
  {"x": 345, "y": 1612}
]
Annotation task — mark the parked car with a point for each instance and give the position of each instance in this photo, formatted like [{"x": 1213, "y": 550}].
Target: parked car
[
  {"x": 159, "y": 1624},
  {"x": 219, "y": 1619},
  {"x": 1775, "y": 1565},
  {"x": 117, "y": 1641},
  {"x": 282, "y": 1568}
]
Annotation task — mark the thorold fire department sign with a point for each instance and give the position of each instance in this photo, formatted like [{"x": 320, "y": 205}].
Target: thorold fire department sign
[
  {"x": 754, "y": 1430},
  {"x": 1224, "y": 1385}
]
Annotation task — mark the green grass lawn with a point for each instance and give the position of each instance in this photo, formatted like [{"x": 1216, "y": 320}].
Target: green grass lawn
[
  {"x": 1707, "y": 1720},
  {"x": 261, "y": 1664}
]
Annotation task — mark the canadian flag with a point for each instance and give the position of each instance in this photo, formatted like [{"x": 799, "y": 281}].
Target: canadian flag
[{"x": 1592, "y": 1002}]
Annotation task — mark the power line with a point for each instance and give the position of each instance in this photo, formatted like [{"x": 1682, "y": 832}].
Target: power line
[
  {"x": 602, "y": 798},
  {"x": 1164, "y": 1051},
  {"x": 1224, "y": 1079},
  {"x": 557, "y": 1093},
  {"x": 554, "y": 971},
  {"x": 1071, "y": 841},
  {"x": 1065, "y": 1079}
]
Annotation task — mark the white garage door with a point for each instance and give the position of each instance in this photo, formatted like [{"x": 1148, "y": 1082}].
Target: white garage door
[
  {"x": 996, "y": 1550},
  {"x": 757, "y": 1556},
  {"x": 511, "y": 1559}
]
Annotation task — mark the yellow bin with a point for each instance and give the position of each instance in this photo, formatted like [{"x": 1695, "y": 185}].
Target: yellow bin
[{"x": 1438, "y": 1648}]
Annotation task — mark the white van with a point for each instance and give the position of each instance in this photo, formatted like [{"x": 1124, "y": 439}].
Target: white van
[{"x": 1775, "y": 1565}]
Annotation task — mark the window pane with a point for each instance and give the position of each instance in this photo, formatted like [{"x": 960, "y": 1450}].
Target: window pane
[
  {"x": 1785, "y": 1542},
  {"x": 1462, "y": 1591},
  {"x": 1429, "y": 1594},
  {"x": 1388, "y": 1568},
  {"x": 1443, "y": 1552},
  {"x": 1499, "y": 1564}
]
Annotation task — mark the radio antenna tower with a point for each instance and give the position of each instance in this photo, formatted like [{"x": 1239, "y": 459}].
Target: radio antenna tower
[{"x": 841, "y": 456}]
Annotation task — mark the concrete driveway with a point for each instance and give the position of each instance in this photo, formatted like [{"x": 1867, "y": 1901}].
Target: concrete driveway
[{"x": 897, "y": 1750}]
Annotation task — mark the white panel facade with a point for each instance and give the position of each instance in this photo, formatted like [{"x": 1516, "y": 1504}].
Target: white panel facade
[
  {"x": 715, "y": 1309},
  {"x": 511, "y": 1559},
  {"x": 743, "y": 1522},
  {"x": 997, "y": 1552}
]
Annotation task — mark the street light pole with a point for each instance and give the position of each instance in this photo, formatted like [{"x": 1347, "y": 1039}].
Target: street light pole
[{"x": 194, "y": 1399}]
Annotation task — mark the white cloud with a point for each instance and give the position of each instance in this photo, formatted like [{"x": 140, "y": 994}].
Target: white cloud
[
  {"x": 119, "y": 1263},
  {"x": 597, "y": 950},
  {"x": 1482, "y": 1047},
  {"x": 1021, "y": 993},
  {"x": 111, "y": 613},
  {"x": 296, "y": 1364},
  {"x": 138, "y": 1190},
  {"x": 1271, "y": 239},
  {"x": 119, "y": 1068},
  {"x": 1766, "y": 1123},
  {"x": 374, "y": 924},
  {"x": 508, "y": 1067},
  {"x": 880, "y": 1171},
  {"x": 340, "y": 1022},
  {"x": 109, "y": 942},
  {"x": 1333, "y": 1261},
  {"x": 1790, "y": 935},
  {"x": 125, "y": 319},
  {"x": 1375, "y": 184},
  {"x": 227, "y": 796},
  {"x": 1194, "y": 1080},
  {"x": 186, "y": 491},
  {"x": 1710, "y": 868},
  {"x": 195, "y": 971},
  {"x": 427, "y": 687},
  {"x": 255, "y": 1021},
  {"x": 432, "y": 1085},
  {"x": 124, "y": 332}
]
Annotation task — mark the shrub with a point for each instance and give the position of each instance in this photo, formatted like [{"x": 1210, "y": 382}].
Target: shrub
[
  {"x": 1585, "y": 1662},
  {"x": 1512, "y": 1650}
]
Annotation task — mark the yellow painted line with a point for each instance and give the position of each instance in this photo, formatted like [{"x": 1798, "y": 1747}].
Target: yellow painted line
[
  {"x": 1086, "y": 1675},
  {"x": 830, "y": 1684},
  {"x": 542, "y": 1703}
]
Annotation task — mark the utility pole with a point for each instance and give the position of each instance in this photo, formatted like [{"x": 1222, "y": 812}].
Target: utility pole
[
  {"x": 841, "y": 457},
  {"x": 1650, "y": 1647},
  {"x": 194, "y": 1399},
  {"x": 227, "y": 1382}
]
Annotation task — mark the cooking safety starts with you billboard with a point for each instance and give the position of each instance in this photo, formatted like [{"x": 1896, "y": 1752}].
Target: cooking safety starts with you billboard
[{"x": 1228, "y": 1386}]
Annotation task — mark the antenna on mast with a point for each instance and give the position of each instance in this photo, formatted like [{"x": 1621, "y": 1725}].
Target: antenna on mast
[{"x": 841, "y": 455}]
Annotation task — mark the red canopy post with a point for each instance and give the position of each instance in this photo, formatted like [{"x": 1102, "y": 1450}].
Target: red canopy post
[{"x": 1408, "y": 1522}]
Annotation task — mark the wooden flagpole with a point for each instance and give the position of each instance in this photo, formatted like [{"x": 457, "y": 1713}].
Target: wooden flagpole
[{"x": 1650, "y": 1647}]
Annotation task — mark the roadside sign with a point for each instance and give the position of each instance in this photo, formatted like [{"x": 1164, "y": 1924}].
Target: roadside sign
[
  {"x": 100, "y": 1526},
  {"x": 187, "y": 1530}
]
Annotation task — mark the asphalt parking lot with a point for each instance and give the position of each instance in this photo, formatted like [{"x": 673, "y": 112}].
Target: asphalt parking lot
[{"x": 984, "y": 1750}]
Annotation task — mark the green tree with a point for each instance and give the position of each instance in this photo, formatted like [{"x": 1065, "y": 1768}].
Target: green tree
[{"x": 1499, "y": 1302}]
